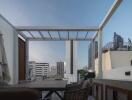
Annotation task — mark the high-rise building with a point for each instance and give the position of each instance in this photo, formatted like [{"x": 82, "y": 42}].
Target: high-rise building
[
  {"x": 71, "y": 60},
  {"x": 60, "y": 69},
  {"x": 90, "y": 49},
  {"x": 118, "y": 41},
  {"x": 42, "y": 69},
  {"x": 96, "y": 49}
]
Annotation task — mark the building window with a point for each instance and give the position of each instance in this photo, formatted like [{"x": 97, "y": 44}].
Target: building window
[{"x": 131, "y": 62}]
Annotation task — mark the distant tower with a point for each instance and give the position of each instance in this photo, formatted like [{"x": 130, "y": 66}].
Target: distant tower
[
  {"x": 60, "y": 69},
  {"x": 71, "y": 60},
  {"x": 90, "y": 55},
  {"x": 118, "y": 41}
]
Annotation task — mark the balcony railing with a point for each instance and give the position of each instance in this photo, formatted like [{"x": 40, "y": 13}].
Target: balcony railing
[{"x": 112, "y": 90}]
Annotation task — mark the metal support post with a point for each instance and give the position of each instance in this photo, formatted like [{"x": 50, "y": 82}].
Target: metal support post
[{"x": 100, "y": 73}]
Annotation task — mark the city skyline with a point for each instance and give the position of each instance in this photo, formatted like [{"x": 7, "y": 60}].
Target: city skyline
[
  {"x": 51, "y": 57},
  {"x": 69, "y": 13}
]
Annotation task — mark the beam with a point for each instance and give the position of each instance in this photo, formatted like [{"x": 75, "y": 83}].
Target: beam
[
  {"x": 95, "y": 35},
  {"x": 49, "y": 28},
  {"x": 50, "y": 35},
  {"x": 31, "y": 34},
  {"x": 1, "y": 16},
  {"x": 58, "y": 39},
  {"x": 109, "y": 14},
  {"x": 59, "y": 35},
  {"x": 23, "y": 35},
  {"x": 86, "y": 35},
  {"x": 77, "y": 36},
  {"x": 41, "y": 34},
  {"x": 68, "y": 35}
]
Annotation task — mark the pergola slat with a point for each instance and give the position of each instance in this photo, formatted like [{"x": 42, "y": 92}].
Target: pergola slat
[
  {"x": 31, "y": 34},
  {"x": 59, "y": 35},
  {"x": 68, "y": 35},
  {"x": 86, "y": 35},
  {"x": 23, "y": 35},
  {"x": 49, "y": 34},
  {"x": 41, "y": 34},
  {"x": 77, "y": 36}
]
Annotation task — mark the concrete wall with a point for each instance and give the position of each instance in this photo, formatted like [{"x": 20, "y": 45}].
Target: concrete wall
[
  {"x": 68, "y": 75},
  {"x": 96, "y": 67},
  {"x": 11, "y": 47},
  {"x": 118, "y": 73},
  {"x": 106, "y": 62},
  {"x": 115, "y": 64},
  {"x": 120, "y": 58}
]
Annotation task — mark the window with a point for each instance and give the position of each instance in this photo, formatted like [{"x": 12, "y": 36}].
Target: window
[{"x": 131, "y": 62}]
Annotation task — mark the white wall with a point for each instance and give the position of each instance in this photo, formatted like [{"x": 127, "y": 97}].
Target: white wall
[
  {"x": 106, "y": 61},
  {"x": 96, "y": 67},
  {"x": 120, "y": 63},
  {"x": 11, "y": 48},
  {"x": 120, "y": 58},
  {"x": 118, "y": 73},
  {"x": 115, "y": 64},
  {"x": 71, "y": 77}
]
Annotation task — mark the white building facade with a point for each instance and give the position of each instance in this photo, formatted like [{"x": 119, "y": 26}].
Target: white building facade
[
  {"x": 42, "y": 69},
  {"x": 116, "y": 65},
  {"x": 71, "y": 61},
  {"x": 38, "y": 69}
]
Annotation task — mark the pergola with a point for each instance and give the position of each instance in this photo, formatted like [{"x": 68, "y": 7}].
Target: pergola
[{"x": 68, "y": 30}]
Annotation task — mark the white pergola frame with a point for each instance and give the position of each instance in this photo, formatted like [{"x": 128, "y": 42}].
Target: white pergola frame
[
  {"x": 40, "y": 29},
  {"x": 97, "y": 29}
]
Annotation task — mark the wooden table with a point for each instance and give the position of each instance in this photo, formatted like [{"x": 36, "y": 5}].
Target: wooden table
[{"x": 53, "y": 86}]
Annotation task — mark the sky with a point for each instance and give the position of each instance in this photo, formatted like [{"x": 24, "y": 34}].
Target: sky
[{"x": 67, "y": 13}]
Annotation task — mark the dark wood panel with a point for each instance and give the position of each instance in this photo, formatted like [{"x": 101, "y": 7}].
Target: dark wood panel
[
  {"x": 98, "y": 89},
  {"x": 71, "y": 53},
  {"x": 116, "y": 93},
  {"x": 22, "y": 59},
  {"x": 114, "y": 89}
]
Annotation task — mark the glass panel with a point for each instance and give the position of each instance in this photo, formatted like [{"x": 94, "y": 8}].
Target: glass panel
[
  {"x": 90, "y": 35},
  {"x": 27, "y": 34},
  {"x": 54, "y": 34},
  {"x": 72, "y": 35},
  {"x": 45, "y": 34},
  {"x": 82, "y": 35},
  {"x": 64, "y": 35},
  {"x": 35, "y": 34}
]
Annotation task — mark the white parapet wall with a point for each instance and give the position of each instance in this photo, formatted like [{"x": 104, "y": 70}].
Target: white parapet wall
[
  {"x": 120, "y": 58},
  {"x": 115, "y": 64},
  {"x": 68, "y": 75},
  {"x": 11, "y": 47},
  {"x": 119, "y": 73}
]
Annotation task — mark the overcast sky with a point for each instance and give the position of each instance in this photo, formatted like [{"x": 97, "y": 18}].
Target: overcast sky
[{"x": 66, "y": 13}]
